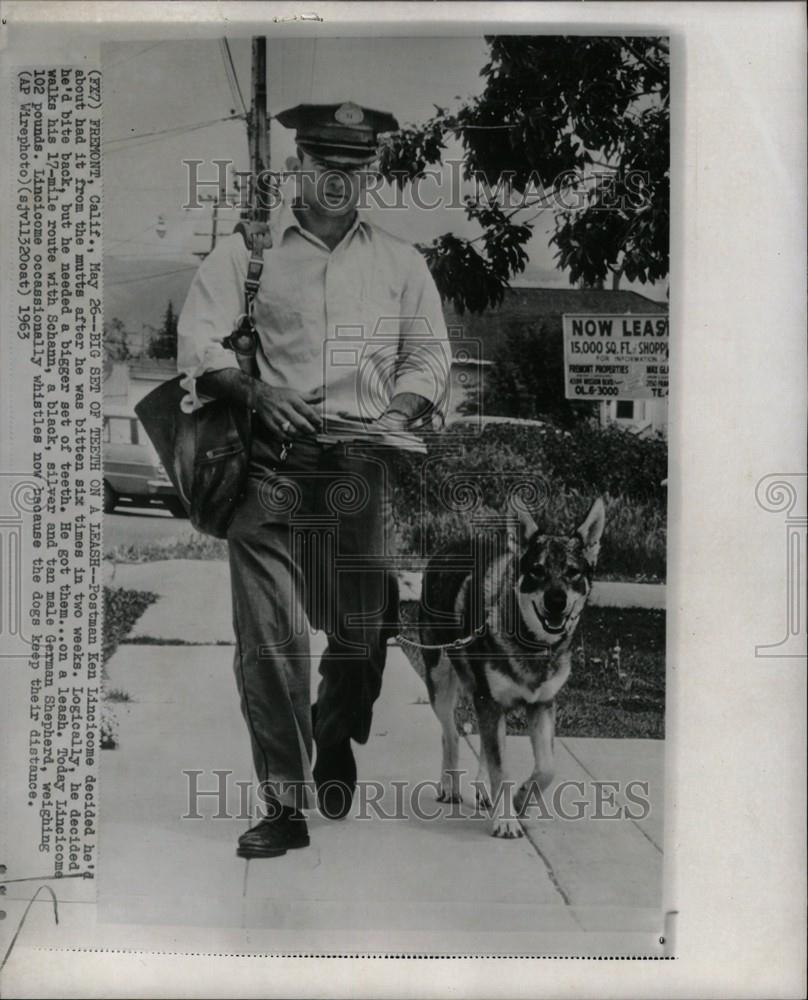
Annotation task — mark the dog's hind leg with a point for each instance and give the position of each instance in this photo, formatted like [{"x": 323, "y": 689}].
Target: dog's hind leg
[
  {"x": 443, "y": 698},
  {"x": 491, "y": 720},
  {"x": 541, "y": 729}
]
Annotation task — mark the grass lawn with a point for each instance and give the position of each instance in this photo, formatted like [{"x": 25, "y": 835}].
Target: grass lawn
[
  {"x": 195, "y": 547},
  {"x": 597, "y": 701}
]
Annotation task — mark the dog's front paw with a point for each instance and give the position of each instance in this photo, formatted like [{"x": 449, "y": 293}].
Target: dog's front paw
[
  {"x": 449, "y": 795},
  {"x": 529, "y": 794},
  {"x": 507, "y": 829},
  {"x": 481, "y": 796}
]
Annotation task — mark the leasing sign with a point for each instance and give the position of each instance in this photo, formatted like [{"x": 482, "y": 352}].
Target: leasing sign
[{"x": 616, "y": 356}]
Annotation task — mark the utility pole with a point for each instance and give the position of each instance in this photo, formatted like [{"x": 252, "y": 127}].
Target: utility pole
[
  {"x": 258, "y": 131},
  {"x": 257, "y": 139}
]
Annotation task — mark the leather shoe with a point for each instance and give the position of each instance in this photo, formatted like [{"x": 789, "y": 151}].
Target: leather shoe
[
  {"x": 273, "y": 837},
  {"x": 335, "y": 778}
]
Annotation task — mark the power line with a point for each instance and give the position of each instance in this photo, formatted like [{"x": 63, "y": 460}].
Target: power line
[
  {"x": 229, "y": 59},
  {"x": 177, "y": 254},
  {"x": 131, "y": 239},
  {"x": 135, "y": 237},
  {"x": 170, "y": 247},
  {"x": 161, "y": 138},
  {"x": 149, "y": 277},
  {"x": 230, "y": 84},
  {"x": 129, "y": 58},
  {"x": 174, "y": 130}
]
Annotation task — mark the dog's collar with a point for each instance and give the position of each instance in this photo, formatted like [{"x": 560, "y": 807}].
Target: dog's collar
[{"x": 545, "y": 652}]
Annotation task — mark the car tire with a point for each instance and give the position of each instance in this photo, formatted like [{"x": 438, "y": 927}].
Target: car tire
[
  {"x": 174, "y": 504},
  {"x": 110, "y": 499}
]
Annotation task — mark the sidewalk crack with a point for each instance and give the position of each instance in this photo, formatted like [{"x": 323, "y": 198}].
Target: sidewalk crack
[
  {"x": 537, "y": 850},
  {"x": 584, "y": 768}
]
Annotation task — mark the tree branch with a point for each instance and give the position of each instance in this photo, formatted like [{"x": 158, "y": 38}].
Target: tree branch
[{"x": 661, "y": 75}]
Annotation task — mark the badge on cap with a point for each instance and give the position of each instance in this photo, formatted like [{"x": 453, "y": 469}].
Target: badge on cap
[{"x": 349, "y": 114}]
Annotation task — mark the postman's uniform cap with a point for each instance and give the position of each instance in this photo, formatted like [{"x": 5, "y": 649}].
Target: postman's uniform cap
[{"x": 339, "y": 134}]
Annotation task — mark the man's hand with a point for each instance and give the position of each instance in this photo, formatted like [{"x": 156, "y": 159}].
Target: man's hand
[
  {"x": 405, "y": 410},
  {"x": 285, "y": 412},
  {"x": 393, "y": 420}
]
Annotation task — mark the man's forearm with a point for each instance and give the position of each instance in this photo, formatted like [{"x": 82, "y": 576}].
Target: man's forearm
[
  {"x": 234, "y": 385},
  {"x": 410, "y": 405},
  {"x": 231, "y": 384}
]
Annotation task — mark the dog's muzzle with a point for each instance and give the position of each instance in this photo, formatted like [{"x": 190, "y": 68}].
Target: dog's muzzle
[{"x": 550, "y": 629}]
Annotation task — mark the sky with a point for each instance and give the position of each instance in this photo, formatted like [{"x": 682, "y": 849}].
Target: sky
[{"x": 152, "y": 87}]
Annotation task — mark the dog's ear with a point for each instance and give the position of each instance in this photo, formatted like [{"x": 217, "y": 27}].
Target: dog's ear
[
  {"x": 591, "y": 530},
  {"x": 521, "y": 526}
]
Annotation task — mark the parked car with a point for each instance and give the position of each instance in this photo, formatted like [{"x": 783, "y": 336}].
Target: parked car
[{"x": 132, "y": 470}]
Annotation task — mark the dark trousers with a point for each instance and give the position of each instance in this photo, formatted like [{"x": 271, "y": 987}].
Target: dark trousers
[{"x": 309, "y": 542}]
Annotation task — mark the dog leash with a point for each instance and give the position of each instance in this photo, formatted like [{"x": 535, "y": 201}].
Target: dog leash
[
  {"x": 467, "y": 640},
  {"x": 454, "y": 644}
]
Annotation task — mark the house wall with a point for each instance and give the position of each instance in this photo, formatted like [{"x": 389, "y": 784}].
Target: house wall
[{"x": 650, "y": 416}]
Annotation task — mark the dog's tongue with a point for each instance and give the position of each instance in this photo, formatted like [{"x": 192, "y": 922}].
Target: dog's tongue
[{"x": 548, "y": 622}]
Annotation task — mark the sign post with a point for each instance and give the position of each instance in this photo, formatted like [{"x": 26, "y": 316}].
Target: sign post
[{"x": 615, "y": 356}]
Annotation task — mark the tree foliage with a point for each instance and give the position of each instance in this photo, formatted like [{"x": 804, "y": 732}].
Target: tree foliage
[
  {"x": 116, "y": 341},
  {"x": 164, "y": 343},
  {"x": 575, "y": 124},
  {"x": 527, "y": 378}
]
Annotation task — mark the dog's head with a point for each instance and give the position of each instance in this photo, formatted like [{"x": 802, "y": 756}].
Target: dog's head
[{"x": 554, "y": 573}]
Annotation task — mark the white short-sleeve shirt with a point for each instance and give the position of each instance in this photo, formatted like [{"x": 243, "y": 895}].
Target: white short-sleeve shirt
[{"x": 363, "y": 320}]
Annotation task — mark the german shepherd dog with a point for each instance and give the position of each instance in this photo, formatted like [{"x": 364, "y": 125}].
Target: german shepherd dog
[{"x": 512, "y": 614}]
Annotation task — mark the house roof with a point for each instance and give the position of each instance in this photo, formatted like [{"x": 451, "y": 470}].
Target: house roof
[{"x": 525, "y": 306}]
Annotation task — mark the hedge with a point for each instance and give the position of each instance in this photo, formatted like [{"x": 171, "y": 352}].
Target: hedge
[{"x": 466, "y": 476}]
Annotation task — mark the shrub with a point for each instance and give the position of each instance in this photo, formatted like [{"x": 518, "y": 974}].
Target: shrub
[
  {"x": 633, "y": 545},
  {"x": 588, "y": 460},
  {"x": 608, "y": 460},
  {"x": 436, "y": 498},
  {"x": 109, "y": 728},
  {"x": 122, "y": 608}
]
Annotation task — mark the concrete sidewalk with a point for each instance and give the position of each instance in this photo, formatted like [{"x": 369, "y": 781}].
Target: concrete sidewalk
[
  {"x": 194, "y": 603},
  {"x": 414, "y": 876},
  {"x": 424, "y": 878}
]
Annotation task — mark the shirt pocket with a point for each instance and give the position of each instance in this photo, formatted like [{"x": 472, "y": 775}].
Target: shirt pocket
[{"x": 382, "y": 311}]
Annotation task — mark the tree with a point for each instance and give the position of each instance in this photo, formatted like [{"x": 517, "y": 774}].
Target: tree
[
  {"x": 579, "y": 124},
  {"x": 116, "y": 341},
  {"x": 526, "y": 378},
  {"x": 164, "y": 343}
]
